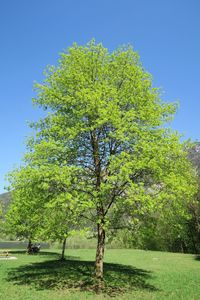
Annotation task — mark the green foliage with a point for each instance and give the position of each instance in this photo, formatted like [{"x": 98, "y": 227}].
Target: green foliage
[
  {"x": 37, "y": 211},
  {"x": 107, "y": 101}
]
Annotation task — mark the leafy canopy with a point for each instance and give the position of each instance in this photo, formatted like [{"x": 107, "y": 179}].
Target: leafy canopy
[{"x": 103, "y": 148}]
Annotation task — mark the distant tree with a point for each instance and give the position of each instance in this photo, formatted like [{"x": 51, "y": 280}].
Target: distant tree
[
  {"x": 1, "y": 220},
  {"x": 5, "y": 200},
  {"x": 193, "y": 225},
  {"x": 106, "y": 131}
]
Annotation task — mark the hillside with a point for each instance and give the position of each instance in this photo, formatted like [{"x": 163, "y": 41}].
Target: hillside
[
  {"x": 5, "y": 199},
  {"x": 194, "y": 156}
]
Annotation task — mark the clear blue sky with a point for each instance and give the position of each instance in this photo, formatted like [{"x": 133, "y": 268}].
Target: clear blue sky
[{"x": 166, "y": 33}]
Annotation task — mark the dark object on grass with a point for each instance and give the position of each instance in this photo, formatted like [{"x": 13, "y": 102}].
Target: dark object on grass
[{"x": 33, "y": 249}]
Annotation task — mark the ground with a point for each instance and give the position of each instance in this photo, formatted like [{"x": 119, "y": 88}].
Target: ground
[{"x": 129, "y": 274}]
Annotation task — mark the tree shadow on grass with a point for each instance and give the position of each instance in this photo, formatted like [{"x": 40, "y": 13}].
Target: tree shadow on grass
[{"x": 78, "y": 275}]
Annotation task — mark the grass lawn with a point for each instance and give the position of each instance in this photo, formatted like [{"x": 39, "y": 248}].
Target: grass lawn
[{"x": 129, "y": 274}]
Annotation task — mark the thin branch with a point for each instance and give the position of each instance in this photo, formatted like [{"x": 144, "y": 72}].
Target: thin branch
[{"x": 85, "y": 217}]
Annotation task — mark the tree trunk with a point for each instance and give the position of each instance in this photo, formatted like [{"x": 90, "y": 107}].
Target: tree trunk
[
  {"x": 194, "y": 244},
  {"x": 63, "y": 249},
  {"x": 29, "y": 247},
  {"x": 100, "y": 212},
  {"x": 100, "y": 253}
]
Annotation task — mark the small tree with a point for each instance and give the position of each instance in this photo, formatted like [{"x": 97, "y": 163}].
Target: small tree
[
  {"x": 24, "y": 215},
  {"x": 106, "y": 129},
  {"x": 39, "y": 208},
  {"x": 58, "y": 223}
]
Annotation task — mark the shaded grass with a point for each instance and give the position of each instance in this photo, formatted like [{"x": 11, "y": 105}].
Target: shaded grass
[{"x": 77, "y": 274}]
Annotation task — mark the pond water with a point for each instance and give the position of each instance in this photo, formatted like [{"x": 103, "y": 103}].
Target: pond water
[{"x": 19, "y": 245}]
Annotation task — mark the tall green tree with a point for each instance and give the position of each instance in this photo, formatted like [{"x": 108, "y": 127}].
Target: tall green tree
[{"x": 106, "y": 129}]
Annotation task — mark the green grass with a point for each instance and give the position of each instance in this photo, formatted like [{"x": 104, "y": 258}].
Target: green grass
[{"x": 129, "y": 274}]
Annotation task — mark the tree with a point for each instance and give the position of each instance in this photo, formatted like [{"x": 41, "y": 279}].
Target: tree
[
  {"x": 193, "y": 225},
  {"x": 37, "y": 211},
  {"x": 106, "y": 129},
  {"x": 24, "y": 215},
  {"x": 58, "y": 223},
  {"x": 1, "y": 220}
]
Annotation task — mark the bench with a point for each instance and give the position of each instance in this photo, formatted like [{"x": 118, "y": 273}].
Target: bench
[{"x": 4, "y": 253}]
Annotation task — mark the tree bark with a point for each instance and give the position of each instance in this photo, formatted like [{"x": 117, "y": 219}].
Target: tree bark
[
  {"x": 29, "y": 247},
  {"x": 100, "y": 213},
  {"x": 100, "y": 253},
  {"x": 63, "y": 249}
]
